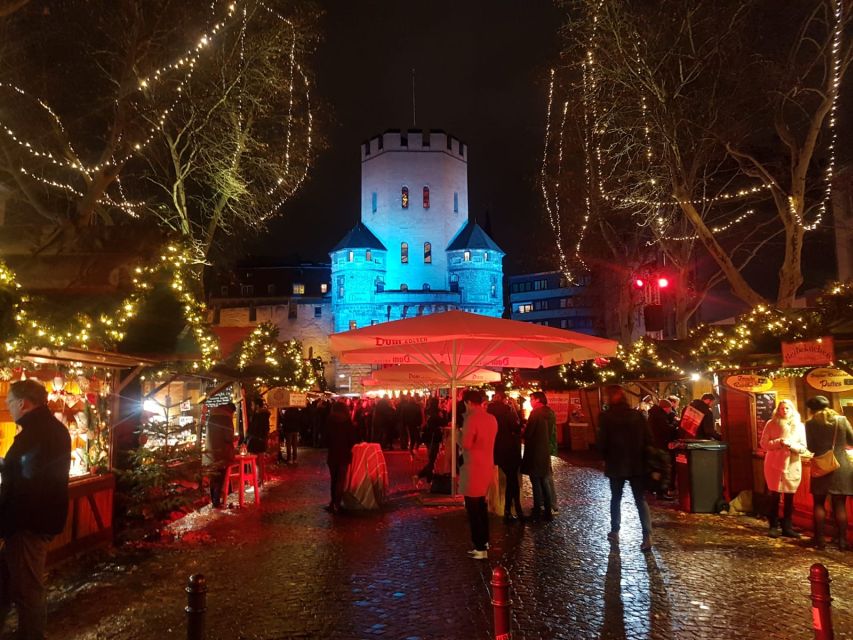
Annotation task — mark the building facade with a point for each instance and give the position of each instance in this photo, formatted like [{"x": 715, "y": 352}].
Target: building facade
[
  {"x": 547, "y": 298},
  {"x": 414, "y": 251}
]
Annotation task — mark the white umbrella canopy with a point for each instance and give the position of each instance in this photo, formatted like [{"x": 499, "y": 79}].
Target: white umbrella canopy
[
  {"x": 455, "y": 343},
  {"x": 410, "y": 375}
]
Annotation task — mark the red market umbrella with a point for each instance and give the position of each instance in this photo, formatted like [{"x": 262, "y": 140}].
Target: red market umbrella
[
  {"x": 455, "y": 343},
  {"x": 413, "y": 375}
]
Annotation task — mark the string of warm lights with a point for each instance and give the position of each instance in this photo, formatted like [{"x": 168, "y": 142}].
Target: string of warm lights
[
  {"x": 176, "y": 265},
  {"x": 185, "y": 63},
  {"x": 834, "y": 87},
  {"x": 715, "y": 229},
  {"x": 285, "y": 362},
  {"x": 553, "y": 216}
]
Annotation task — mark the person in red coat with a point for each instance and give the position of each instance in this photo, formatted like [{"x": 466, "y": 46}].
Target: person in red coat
[{"x": 478, "y": 447}]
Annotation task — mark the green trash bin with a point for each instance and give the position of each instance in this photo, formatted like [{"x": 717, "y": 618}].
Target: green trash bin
[{"x": 699, "y": 474}]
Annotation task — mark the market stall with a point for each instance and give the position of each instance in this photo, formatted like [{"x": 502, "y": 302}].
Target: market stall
[{"x": 83, "y": 389}]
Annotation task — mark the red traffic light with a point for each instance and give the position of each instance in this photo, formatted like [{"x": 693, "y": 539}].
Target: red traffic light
[
  {"x": 663, "y": 283},
  {"x": 639, "y": 283}
]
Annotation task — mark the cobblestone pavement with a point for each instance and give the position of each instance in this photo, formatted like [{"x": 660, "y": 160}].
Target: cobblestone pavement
[{"x": 290, "y": 570}]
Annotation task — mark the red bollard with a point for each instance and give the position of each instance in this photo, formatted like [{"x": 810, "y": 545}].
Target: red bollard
[
  {"x": 821, "y": 602},
  {"x": 501, "y": 603}
]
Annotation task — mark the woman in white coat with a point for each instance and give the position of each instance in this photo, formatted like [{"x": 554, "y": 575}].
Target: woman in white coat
[{"x": 784, "y": 441}]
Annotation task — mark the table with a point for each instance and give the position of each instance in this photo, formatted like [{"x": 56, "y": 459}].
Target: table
[{"x": 367, "y": 477}]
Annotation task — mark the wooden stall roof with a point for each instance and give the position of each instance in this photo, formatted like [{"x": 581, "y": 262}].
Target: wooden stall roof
[{"x": 90, "y": 357}]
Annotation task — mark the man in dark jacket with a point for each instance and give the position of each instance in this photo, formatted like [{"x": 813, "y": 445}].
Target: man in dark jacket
[
  {"x": 384, "y": 416},
  {"x": 623, "y": 436},
  {"x": 537, "y": 454},
  {"x": 33, "y": 504},
  {"x": 705, "y": 430},
  {"x": 341, "y": 439},
  {"x": 291, "y": 423},
  {"x": 663, "y": 432},
  {"x": 508, "y": 452}
]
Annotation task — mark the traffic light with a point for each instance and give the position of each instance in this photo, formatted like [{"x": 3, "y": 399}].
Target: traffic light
[
  {"x": 663, "y": 282},
  {"x": 639, "y": 283}
]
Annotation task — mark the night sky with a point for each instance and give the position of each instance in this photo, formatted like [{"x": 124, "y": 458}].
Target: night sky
[{"x": 481, "y": 70}]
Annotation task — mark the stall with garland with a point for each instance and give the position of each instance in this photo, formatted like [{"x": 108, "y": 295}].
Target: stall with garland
[{"x": 83, "y": 390}]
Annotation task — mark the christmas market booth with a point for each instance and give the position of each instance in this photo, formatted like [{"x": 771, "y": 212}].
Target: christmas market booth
[
  {"x": 750, "y": 394},
  {"x": 84, "y": 387}
]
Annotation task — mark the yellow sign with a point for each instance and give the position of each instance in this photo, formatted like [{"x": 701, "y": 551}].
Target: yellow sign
[
  {"x": 749, "y": 383},
  {"x": 829, "y": 380}
]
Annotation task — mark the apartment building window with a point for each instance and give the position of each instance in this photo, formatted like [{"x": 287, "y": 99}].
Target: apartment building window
[
  {"x": 526, "y": 307},
  {"x": 270, "y": 289},
  {"x": 324, "y": 288},
  {"x": 253, "y": 313},
  {"x": 291, "y": 310},
  {"x": 247, "y": 290},
  {"x": 404, "y": 197},
  {"x": 223, "y": 291},
  {"x": 318, "y": 312},
  {"x": 298, "y": 289},
  {"x": 426, "y": 197},
  {"x": 455, "y": 201},
  {"x": 374, "y": 202}
]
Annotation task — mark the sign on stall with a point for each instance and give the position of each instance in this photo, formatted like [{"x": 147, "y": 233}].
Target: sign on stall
[
  {"x": 808, "y": 353},
  {"x": 280, "y": 398},
  {"x": 749, "y": 383},
  {"x": 829, "y": 380}
]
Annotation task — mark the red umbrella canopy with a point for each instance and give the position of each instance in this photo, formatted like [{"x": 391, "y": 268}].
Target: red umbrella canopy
[
  {"x": 461, "y": 339},
  {"x": 410, "y": 375}
]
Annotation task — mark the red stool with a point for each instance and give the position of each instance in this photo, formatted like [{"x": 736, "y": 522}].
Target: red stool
[{"x": 243, "y": 469}]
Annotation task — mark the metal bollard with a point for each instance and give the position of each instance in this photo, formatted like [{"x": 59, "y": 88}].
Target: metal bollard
[
  {"x": 196, "y": 606},
  {"x": 821, "y": 602},
  {"x": 501, "y": 603}
]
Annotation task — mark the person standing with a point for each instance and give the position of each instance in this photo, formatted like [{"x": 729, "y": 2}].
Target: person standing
[
  {"x": 383, "y": 422},
  {"x": 33, "y": 504},
  {"x": 828, "y": 431},
  {"x": 411, "y": 418},
  {"x": 291, "y": 423},
  {"x": 623, "y": 436},
  {"x": 258, "y": 435},
  {"x": 508, "y": 452},
  {"x": 705, "y": 430},
  {"x": 663, "y": 432},
  {"x": 341, "y": 438},
  {"x": 536, "y": 462},
  {"x": 478, "y": 447},
  {"x": 436, "y": 419},
  {"x": 219, "y": 452}
]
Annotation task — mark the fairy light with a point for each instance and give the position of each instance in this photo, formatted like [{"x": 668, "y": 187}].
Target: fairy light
[
  {"x": 543, "y": 181},
  {"x": 715, "y": 229},
  {"x": 186, "y": 64}
]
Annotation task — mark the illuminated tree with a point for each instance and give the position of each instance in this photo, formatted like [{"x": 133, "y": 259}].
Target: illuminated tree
[{"x": 708, "y": 133}]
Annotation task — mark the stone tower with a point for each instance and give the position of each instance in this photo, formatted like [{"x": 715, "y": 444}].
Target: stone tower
[{"x": 414, "y": 250}]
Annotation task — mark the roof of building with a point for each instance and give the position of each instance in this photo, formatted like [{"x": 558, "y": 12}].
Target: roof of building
[
  {"x": 472, "y": 236},
  {"x": 359, "y": 237}
]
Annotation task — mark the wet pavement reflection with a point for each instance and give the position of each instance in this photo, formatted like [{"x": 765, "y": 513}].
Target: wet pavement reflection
[{"x": 290, "y": 570}]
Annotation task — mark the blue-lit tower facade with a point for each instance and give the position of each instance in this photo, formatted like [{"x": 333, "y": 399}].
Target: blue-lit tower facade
[{"x": 414, "y": 251}]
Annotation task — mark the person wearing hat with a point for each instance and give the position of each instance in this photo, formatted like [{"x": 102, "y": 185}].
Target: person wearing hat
[{"x": 827, "y": 430}]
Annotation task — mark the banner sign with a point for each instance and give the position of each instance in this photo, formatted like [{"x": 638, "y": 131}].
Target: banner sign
[
  {"x": 808, "y": 353},
  {"x": 829, "y": 380},
  {"x": 749, "y": 383}
]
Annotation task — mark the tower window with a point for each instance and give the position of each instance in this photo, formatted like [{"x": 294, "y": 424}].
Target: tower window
[
  {"x": 350, "y": 256},
  {"x": 374, "y": 202},
  {"x": 368, "y": 256},
  {"x": 427, "y": 253},
  {"x": 340, "y": 287},
  {"x": 426, "y": 197},
  {"x": 485, "y": 256},
  {"x": 404, "y": 197},
  {"x": 404, "y": 287},
  {"x": 380, "y": 285},
  {"x": 426, "y": 286},
  {"x": 352, "y": 325},
  {"x": 404, "y": 252},
  {"x": 455, "y": 202},
  {"x": 466, "y": 256}
]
